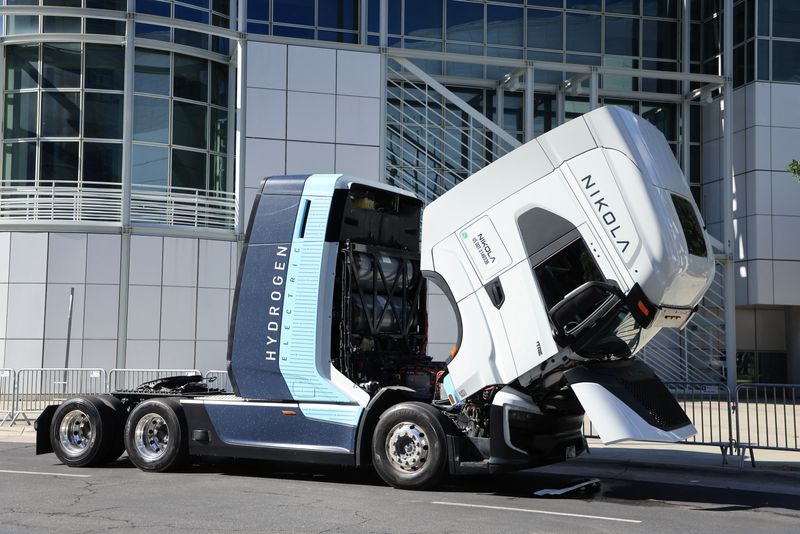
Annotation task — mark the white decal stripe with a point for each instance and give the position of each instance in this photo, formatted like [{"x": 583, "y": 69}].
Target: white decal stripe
[
  {"x": 43, "y": 474},
  {"x": 544, "y": 512}
]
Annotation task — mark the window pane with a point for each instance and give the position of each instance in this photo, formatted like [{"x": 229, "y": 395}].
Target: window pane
[
  {"x": 785, "y": 17},
  {"x": 190, "y": 38},
  {"x": 663, "y": 117},
  {"x": 630, "y": 7},
  {"x": 22, "y": 24},
  {"x": 151, "y": 119},
  {"x": 105, "y": 27},
  {"x": 219, "y": 84},
  {"x": 258, "y": 10},
  {"x": 219, "y": 175},
  {"x": 191, "y": 78},
  {"x": 504, "y": 25},
  {"x": 20, "y": 115},
  {"x": 219, "y": 130},
  {"x": 189, "y": 124},
  {"x": 102, "y": 162},
  {"x": 423, "y": 18},
  {"x": 464, "y": 21},
  {"x": 59, "y": 161},
  {"x": 151, "y": 31},
  {"x": 19, "y": 163},
  {"x": 545, "y": 29},
  {"x": 661, "y": 8},
  {"x": 104, "y": 67},
  {"x": 395, "y": 16},
  {"x": 622, "y": 36},
  {"x": 153, "y": 7},
  {"x": 188, "y": 169},
  {"x": 116, "y": 5},
  {"x": 340, "y": 14},
  {"x": 22, "y": 69},
  {"x": 583, "y": 32},
  {"x": 61, "y": 114},
  {"x": 150, "y": 165},
  {"x": 589, "y": 5},
  {"x": 659, "y": 39},
  {"x": 61, "y": 25},
  {"x": 61, "y": 65},
  {"x": 151, "y": 73},
  {"x": 103, "y": 116},
  {"x": 566, "y": 270},
  {"x": 785, "y": 61},
  {"x": 294, "y": 11}
]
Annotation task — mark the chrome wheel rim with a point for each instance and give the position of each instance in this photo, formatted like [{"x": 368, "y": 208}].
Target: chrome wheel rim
[
  {"x": 151, "y": 437},
  {"x": 75, "y": 433},
  {"x": 407, "y": 447}
]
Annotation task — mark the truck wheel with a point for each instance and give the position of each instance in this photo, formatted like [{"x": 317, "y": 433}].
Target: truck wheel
[
  {"x": 155, "y": 435},
  {"x": 408, "y": 446},
  {"x": 80, "y": 432}
]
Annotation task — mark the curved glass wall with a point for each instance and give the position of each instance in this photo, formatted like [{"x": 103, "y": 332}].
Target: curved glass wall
[{"x": 64, "y": 101}]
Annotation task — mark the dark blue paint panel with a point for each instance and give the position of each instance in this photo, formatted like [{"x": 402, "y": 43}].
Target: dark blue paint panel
[
  {"x": 274, "y": 219},
  {"x": 258, "y": 425}
]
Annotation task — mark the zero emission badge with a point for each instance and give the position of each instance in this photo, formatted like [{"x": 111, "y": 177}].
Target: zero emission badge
[{"x": 484, "y": 248}]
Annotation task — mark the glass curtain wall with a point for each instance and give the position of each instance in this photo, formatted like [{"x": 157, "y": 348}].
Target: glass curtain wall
[{"x": 63, "y": 110}]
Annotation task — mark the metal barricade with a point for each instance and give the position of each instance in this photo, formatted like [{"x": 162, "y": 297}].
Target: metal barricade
[
  {"x": 7, "y": 381},
  {"x": 38, "y": 388},
  {"x": 767, "y": 416},
  {"x": 219, "y": 380},
  {"x": 127, "y": 379},
  {"x": 708, "y": 406}
]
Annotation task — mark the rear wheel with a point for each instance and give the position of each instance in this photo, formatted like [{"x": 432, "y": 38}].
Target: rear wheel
[
  {"x": 155, "y": 435},
  {"x": 82, "y": 432},
  {"x": 408, "y": 446}
]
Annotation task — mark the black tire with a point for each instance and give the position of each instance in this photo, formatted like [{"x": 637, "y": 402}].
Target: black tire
[
  {"x": 156, "y": 436},
  {"x": 82, "y": 432},
  {"x": 408, "y": 446}
]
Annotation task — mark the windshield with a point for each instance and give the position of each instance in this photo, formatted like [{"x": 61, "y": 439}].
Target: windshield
[{"x": 617, "y": 335}]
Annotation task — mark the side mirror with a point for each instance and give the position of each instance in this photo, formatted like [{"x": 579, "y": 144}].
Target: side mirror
[{"x": 583, "y": 307}]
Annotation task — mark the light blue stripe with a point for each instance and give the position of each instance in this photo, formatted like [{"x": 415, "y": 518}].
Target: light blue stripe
[
  {"x": 298, "y": 360},
  {"x": 344, "y": 415}
]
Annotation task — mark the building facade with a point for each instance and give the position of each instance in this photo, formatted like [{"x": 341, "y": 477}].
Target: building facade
[{"x": 136, "y": 133}]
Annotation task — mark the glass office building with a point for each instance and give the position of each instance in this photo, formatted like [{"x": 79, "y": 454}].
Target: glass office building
[{"x": 135, "y": 134}]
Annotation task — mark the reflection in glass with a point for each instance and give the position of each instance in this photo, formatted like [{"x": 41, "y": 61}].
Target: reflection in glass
[
  {"x": 545, "y": 29},
  {"x": 189, "y": 124},
  {"x": 61, "y": 114},
  {"x": 191, "y": 78},
  {"x": 104, "y": 67},
  {"x": 423, "y": 18},
  {"x": 464, "y": 21},
  {"x": 659, "y": 39},
  {"x": 294, "y": 11},
  {"x": 151, "y": 72},
  {"x": 102, "y": 116},
  {"x": 583, "y": 32},
  {"x": 340, "y": 14},
  {"x": 188, "y": 169},
  {"x": 150, "y": 165},
  {"x": 61, "y": 24},
  {"x": 102, "y": 162},
  {"x": 59, "y": 161},
  {"x": 22, "y": 24},
  {"x": 622, "y": 36},
  {"x": 785, "y": 61},
  {"x": 61, "y": 65},
  {"x": 219, "y": 174},
  {"x": 219, "y": 84},
  {"x": 19, "y": 163},
  {"x": 219, "y": 130},
  {"x": 22, "y": 69},
  {"x": 504, "y": 25},
  {"x": 150, "y": 119},
  {"x": 20, "y": 115}
]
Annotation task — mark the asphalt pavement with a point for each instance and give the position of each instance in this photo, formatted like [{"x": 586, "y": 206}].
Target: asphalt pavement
[{"x": 657, "y": 488}]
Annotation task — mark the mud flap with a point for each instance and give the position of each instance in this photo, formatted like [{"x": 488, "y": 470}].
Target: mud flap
[
  {"x": 42, "y": 427},
  {"x": 627, "y": 401}
]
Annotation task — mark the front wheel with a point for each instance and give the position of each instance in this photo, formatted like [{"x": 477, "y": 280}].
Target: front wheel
[
  {"x": 408, "y": 446},
  {"x": 155, "y": 435}
]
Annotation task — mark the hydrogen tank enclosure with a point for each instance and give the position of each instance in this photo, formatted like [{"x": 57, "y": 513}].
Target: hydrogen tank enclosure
[{"x": 560, "y": 260}]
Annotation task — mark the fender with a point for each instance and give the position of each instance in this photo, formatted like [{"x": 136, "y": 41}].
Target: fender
[{"x": 382, "y": 401}]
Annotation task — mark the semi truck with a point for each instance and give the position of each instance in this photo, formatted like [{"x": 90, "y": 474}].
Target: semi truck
[{"x": 560, "y": 260}]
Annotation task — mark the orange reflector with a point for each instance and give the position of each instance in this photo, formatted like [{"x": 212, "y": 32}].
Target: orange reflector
[
  {"x": 643, "y": 308},
  {"x": 452, "y": 400},
  {"x": 288, "y": 412},
  {"x": 453, "y": 351}
]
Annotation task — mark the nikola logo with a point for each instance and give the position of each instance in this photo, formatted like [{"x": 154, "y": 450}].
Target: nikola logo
[
  {"x": 606, "y": 214},
  {"x": 483, "y": 249}
]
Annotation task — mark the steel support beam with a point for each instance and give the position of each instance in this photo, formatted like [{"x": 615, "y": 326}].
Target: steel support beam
[
  {"x": 728, "y": 198},
  {"x": 500, "y": 104},
  {"x": 529, "y": 105},
  {"x": 561, "y": 102},
  {"x": 594, "y": 85},
  {"x": 384, "y": 23}
]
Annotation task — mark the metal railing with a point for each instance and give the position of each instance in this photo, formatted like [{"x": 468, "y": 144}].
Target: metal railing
[
  {"x": 36, "y": 389},
  {"x": 219, "y": 380},
  {"x": 180, "y": 206},
  {"x": 60, "y": 201},
  {"x": 767, "y": 416},
  {"x": 708, "y": 406},
  {"x": 7, "y": 382},
  {"x": 127, "y": 379},
  {"x": 101, "y": 202}
]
